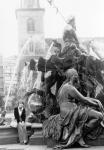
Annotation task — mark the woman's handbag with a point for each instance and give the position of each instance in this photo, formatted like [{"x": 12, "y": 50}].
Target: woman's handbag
[{"x": 13, "y": 123}]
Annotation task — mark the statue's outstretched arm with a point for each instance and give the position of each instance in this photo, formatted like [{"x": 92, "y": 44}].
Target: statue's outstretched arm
[{"x": 77, "y": 95}]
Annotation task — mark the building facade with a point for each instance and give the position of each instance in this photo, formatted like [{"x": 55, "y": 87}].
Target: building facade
[
  {"x": 8, "y": 71},
  {"x": 31, "y": 41},
  {"x": 30, "y": 19}
]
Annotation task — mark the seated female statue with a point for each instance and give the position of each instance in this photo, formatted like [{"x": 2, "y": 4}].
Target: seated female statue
[{"x": 76, "y": 114}]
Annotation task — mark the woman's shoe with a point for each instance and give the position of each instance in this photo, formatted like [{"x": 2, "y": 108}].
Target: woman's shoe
[{"x": 26, "y": 142}]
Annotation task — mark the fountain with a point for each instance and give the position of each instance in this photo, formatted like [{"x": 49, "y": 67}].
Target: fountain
[{"x": 8, "y": 134}]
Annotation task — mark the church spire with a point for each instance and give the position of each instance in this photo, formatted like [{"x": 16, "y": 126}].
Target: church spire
[{"x": 30, "y": 4}]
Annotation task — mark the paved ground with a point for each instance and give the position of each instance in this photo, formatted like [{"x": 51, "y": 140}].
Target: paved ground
[{"x": 32, "y": 147}]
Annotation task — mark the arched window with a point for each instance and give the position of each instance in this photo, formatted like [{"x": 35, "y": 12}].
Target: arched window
[{"x": 30, "y": 25}]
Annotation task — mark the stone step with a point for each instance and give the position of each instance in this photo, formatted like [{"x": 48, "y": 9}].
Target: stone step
[
  {"x": 8, "y": 140},
  {"x": 9, "y": 135},
  {"x": 37, "y": 139}
]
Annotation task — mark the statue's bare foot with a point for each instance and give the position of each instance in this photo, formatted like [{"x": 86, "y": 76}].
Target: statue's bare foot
[
  {"x": 58, "y": 147},
  {"x": 82, "y": 143}
]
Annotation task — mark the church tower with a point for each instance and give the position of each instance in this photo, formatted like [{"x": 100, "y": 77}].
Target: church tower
[{"x": 30, "y": 18}]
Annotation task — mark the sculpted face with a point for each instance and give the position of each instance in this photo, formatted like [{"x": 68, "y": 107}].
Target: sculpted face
[
  {"x": 55, "y": 50},
  {"x": 72, "y": 75},
  {"x": 76, "y": 81}
]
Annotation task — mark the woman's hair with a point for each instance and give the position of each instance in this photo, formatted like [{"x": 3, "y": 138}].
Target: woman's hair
[
  {"x": 20, "y": 102},
  {"x": 70, "y": 73}
]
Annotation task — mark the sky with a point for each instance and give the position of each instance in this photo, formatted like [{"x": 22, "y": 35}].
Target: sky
[{"x": 89, "y": 16}]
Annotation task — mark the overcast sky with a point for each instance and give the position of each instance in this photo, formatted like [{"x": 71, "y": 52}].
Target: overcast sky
[{"x": 89, "y": 20}]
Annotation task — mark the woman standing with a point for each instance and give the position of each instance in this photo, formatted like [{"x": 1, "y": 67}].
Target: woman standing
[{"x": 20, "y": 116}]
